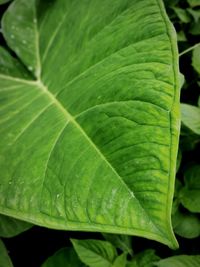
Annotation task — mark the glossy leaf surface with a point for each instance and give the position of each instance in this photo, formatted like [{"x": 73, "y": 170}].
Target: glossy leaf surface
[{"x": 90, "y": 117}]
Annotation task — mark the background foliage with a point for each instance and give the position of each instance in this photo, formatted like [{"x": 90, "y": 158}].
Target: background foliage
[{"x": 113, "y": 250}]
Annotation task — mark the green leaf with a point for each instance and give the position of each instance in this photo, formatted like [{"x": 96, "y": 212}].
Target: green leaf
[
  {"x": 122, "y": 242},
  {"x": 195, "y": 14},
  {"x": 95, "y": 253},
  {"x": 190, "y": 199},
  {"x": 120, "y": 261},
  {"x": 195, "y": 28},
  {"x": 65, "y": 257},
  {"x": 181, "y": 36},
  {"x": 90, "y": 141},
  {"x": 147, "y": 258},
  {"x": 180, "y": 261},
  {"x": 191, "y": 117},
  {"x": 191, "y": 177},
  {"x": 190, "y": 194},
  {"x": 182, "y": 79},
  {"x": 182, "y": 14},
  {"x": 4, "y": 258},
  {"x": 10, "y": 227},
  {"x": 196, "y": 59},
  {"x": 186, "y": 225},
  {"x": 194, "y": 3}
]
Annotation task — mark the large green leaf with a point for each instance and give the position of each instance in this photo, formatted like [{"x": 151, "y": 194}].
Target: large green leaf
[
  {"x": 180, "y": 261},
  {"x": 90, "y": 141},
  {"x": 4, "y": 258}
]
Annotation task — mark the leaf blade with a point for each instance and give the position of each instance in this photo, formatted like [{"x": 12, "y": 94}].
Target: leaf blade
[{"x": 58, "y": 206}]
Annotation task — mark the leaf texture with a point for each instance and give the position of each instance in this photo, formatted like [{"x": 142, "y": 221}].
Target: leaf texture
[{"x": 90, "y": 123}]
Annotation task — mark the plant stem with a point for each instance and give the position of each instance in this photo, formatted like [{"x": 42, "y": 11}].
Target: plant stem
[{"x": 189, "y": 49}]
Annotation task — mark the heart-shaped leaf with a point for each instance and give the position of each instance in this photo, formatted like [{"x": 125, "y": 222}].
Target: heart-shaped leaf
[{"x": 90, "y": 117}]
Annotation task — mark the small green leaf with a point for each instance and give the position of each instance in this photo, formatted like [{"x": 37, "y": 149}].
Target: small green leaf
[
  {"x": 194, "y": 13},
  {"x": 10, "y": 227},
  {"x": 182, "y": 14},
  {"x": 181, "y": 36},
  {"x": 4, "y": 258},
  {"x": 186, "y": 225},
  {"x": 122, "y": 242},
  {"x": 120, "y": 261},
  {"x": 194, "y": 3},
  {"x": 65, "y": 257},
  {"x": 95, "y": 253},
  {"x": 191, "y": 177},
  {"x": 189, "y": 195},
  {"x": 196, "y": 58},
  {"x": 191, "y": 117},
  {"x": 195, "y": 28},
  {"x": 180, "y": 261},
  {"x": 182, "y": 79},
  {"x": 190, "y": 199}
]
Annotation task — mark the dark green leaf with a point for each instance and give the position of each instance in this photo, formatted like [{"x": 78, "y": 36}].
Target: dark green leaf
[
  {"x": 10, "y": 227},
  {"x": 196, "y": 58},
  {"x": 65, "y": 257},
  {"x": 4, "y": 258},
  {"x": 191, "y": 177},
  {"x": 195, "y": 14},
  {"x": 190, "y": 199},
  {"x": 195, "y": 28},
  {"x": 182, "y": 14},
  {"x": 186, "y": 225}
]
